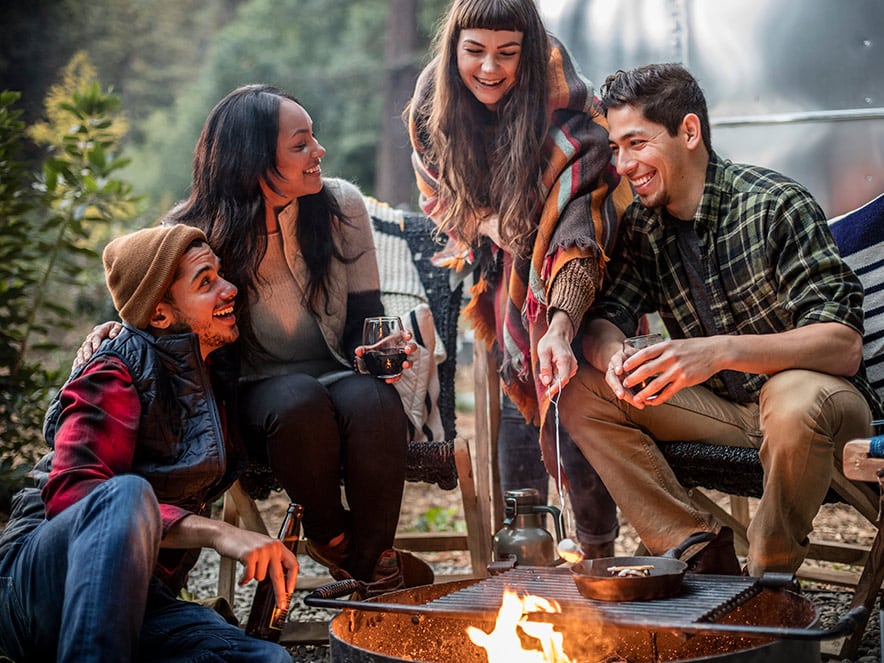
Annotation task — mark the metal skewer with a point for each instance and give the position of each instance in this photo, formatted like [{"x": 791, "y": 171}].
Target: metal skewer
[{"x": 567, "y": 548}]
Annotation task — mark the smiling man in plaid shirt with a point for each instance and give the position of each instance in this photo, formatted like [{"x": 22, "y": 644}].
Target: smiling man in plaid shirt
[{"x": 765, "y": 323}]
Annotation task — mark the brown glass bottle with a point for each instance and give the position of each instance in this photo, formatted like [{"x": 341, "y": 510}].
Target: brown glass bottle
[{"x": 265, "y": 618}]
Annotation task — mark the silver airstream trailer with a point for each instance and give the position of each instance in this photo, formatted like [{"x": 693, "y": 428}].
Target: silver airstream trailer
[{"x": 794, "y": 85}]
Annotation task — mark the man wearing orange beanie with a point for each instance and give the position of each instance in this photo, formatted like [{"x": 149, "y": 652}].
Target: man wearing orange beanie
[{"x": 94, "y": 556}]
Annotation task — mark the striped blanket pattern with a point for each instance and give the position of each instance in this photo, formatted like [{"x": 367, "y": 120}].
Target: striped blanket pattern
[{"x": 860, "y": 238}]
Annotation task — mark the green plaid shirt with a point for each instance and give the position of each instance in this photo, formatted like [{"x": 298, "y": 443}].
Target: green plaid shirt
[{"x": 768, "y": 259}]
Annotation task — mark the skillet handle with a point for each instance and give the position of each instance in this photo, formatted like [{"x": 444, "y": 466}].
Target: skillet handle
[
  {"x": 692, "y": 540},
  {"x": 335, "y": 590}
]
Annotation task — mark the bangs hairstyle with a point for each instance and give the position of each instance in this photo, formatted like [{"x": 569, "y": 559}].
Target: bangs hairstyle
[
  {"x": 496, "y": 168},
  {"x": 664, "y": 93}
]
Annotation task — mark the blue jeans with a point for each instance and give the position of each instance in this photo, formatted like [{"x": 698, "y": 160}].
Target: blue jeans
[
  {"x": 79, "y": 587},
  {"x": 521, "y": 466}
]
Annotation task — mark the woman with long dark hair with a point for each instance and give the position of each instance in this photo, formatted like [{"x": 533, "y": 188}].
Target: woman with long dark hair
[
  {"x": 299, "y": 247},
  {"x": 512, "y": 162}
]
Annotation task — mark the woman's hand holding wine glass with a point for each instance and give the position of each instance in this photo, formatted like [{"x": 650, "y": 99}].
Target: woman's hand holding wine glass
[{"x": 385, "y": 348}]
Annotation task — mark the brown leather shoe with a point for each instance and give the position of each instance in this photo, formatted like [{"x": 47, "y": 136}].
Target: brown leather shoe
[
  {"x": 386, "y": 577},
  {"x": 394, "y": 570},
  {"x": 718, "y": 557},
  {"x": 415, "y": 571}
]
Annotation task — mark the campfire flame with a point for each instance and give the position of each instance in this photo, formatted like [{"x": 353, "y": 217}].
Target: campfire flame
[{"x": 504, "y": 643}]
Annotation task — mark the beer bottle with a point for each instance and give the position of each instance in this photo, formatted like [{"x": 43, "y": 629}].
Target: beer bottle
[{"x": 265, "y": 618}]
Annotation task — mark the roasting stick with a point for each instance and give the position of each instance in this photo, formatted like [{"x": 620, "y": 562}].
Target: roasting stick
[
  {"x": 553, "y": 397},
  {"x": 568, "y": 549}
]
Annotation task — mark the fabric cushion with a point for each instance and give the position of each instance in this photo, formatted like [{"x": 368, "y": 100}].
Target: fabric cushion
[
  {"x": 860, "y": 237},
  {"x": 423, "y": 296},
  {"x": 401, "y": 286}
]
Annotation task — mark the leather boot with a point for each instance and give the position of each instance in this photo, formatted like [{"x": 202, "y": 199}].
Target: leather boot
[
  {"x": 334, "y": 557},
  {"x": 597, "y": 550},
  {"x": 415, "y": 571},
  {"x": 395, "y": 569},
  {"x": 718, "y": 557}
]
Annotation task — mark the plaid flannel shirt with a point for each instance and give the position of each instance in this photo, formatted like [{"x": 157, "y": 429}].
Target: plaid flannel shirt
[{"x": 768, "y": 259}]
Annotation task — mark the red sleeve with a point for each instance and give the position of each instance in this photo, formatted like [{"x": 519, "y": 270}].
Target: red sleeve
[{"x": 96, "y": 436}]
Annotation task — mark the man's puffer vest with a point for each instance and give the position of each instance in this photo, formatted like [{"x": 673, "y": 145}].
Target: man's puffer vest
[{"x": 180, "y": 449}]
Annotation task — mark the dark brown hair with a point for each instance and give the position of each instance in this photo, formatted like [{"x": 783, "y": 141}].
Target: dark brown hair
[
  {"x": 496, "y": 166},
  {"x": 664, "y": 93}
]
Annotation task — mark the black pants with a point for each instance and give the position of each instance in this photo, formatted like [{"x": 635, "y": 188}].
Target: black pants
[
  {"x": 521, "y": 466},
  {"x": 316, "y": 437}
]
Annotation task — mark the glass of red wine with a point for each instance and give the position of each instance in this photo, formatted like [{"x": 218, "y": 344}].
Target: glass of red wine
[{"x": 384, "y": 341}]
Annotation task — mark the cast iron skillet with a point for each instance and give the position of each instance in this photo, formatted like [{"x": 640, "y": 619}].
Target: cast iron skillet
[{"x": 594, "y": 581}]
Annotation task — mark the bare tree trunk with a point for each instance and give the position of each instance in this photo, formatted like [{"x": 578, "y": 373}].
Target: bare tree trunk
[{"x": 395, "y": 179}]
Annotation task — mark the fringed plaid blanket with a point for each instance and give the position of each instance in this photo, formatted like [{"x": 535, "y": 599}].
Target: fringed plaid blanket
[{"x": 584, "y": 199}]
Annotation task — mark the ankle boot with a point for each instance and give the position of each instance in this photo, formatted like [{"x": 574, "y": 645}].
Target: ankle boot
[
  {"x": 394, "y": 570},
  {"x": 386, "y": 577},
  {"x": 718, "y": 557},
  {"x": 415, "y": 571},
  {"x": 334, "y": 557}
]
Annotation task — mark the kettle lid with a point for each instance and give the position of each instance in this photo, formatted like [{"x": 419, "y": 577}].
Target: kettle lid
[{"x": 523, "y": 496}]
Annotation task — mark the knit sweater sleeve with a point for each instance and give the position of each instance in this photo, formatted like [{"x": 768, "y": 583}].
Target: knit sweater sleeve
[
  {"x": 363, "y": 282},
  {"x": 573, "y": 289}
]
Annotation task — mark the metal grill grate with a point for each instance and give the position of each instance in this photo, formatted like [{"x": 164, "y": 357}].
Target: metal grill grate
[
  {"x": 699, "y": 596},
  {"x": 702, "y": 602}
]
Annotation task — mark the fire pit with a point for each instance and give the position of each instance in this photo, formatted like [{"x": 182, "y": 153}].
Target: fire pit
[{"x": 713, "y": 618}]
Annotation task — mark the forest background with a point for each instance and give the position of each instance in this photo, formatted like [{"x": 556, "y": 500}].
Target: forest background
[{"x": 101, "y": 104}]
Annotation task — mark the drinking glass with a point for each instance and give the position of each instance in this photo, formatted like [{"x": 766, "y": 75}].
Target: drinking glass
[
  {"x": 632, "y": 345},
  {"x": 384, "y": 341}
]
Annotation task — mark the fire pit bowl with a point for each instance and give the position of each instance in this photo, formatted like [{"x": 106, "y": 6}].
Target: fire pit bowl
[{"x": 430, "y": 623}]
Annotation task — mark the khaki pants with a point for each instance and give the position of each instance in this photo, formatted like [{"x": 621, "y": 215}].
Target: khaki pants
[{"x": 800, "y": 425}]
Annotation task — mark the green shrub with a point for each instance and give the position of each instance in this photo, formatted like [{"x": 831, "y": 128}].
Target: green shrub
[
  {"x": 50, "y": 223},
  {"x": 438, "y": 519}
]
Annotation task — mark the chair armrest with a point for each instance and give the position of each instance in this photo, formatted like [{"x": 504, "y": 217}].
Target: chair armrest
[{"x": 858, "y": 465}]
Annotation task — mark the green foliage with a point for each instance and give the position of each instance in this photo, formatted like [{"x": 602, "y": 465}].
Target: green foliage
[
  {"x": 49, "y": 224},
  {"x": 20, "y": 382},
  {"x": 79, "y": 78},
  {"x": 437, "y": 519},
  {"x": 170, "y": 61},
  {"x": 148, "y": 51},
  {"x": 328, "y": 53}
]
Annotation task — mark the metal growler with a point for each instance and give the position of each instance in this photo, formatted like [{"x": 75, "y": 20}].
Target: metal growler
[{"x": 523, "y": 536}]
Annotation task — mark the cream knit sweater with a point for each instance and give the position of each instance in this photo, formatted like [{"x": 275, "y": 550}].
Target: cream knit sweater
[{"x": 296, "y": 338}]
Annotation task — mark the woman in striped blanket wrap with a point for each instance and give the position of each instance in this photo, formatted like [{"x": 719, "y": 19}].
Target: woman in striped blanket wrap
[{"x": 512, "y": 162}]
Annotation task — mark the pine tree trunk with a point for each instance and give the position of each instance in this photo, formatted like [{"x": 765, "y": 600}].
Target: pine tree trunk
[{"x": 395, "y": 179}]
